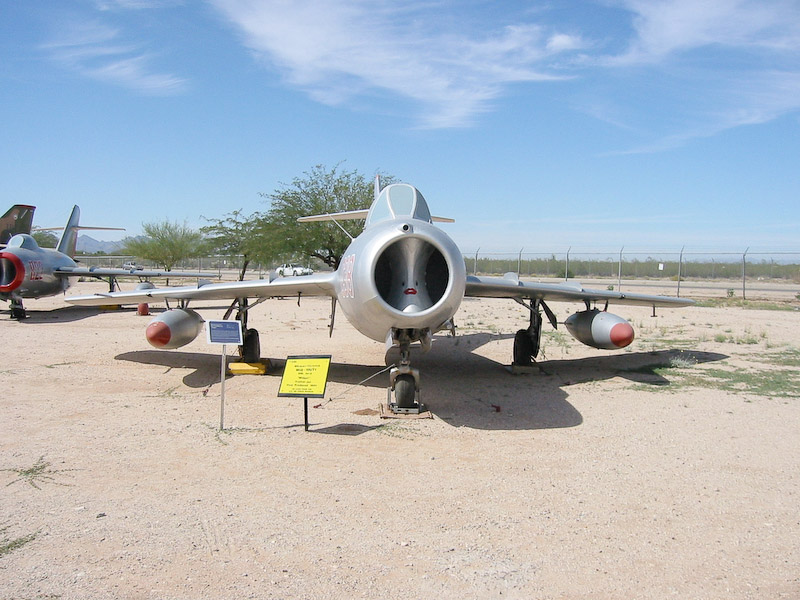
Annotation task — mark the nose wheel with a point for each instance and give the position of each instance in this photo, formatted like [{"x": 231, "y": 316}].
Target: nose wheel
[
  {"x": 404, "y": 384},
  {"x": 17, "y": 310}
]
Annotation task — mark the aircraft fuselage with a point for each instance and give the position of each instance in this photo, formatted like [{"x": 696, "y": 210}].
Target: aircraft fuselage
[
  {"x": 400, "y": 274},
  {"x": 27, "y": 271}
]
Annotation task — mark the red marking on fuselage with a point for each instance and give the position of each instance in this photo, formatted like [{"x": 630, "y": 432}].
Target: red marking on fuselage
[{"x": 410, "y": 291}]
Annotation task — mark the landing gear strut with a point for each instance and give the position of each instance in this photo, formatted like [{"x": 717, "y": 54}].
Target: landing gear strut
[
  {"x": 404, "y": 381},
  {"x": 17, "y": 310},
  {"x": 250, "y": 350},
  {"x": 527, "y": 341}
]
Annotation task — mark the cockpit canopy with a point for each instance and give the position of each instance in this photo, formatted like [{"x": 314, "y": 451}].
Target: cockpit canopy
[
  {"x": 397, "y": 201},
  {"x": 23, "y": 240}
]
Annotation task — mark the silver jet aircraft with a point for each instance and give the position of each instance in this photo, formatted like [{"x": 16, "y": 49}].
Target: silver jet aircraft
[
  {"x": 399, "y": 282},
  {"x": 28, "y": 271}
]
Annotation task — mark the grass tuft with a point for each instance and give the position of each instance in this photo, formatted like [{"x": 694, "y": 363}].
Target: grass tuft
[
  {"x": 8, "y": 545},
  {"x": 40, "y": 472}
]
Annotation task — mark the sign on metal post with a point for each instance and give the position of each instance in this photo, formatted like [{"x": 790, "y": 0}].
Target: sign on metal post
[
  {"x": 223, "y": 333},
  {"x": 305, "y": 377}
]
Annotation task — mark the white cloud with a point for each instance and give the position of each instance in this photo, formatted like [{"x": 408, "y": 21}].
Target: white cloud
[
  {"x": 94, "y": 50},
  {"x": 706, "y": 66},
  {"x": 134, "y": 4},
  {"x": 666, "y": 27},
  {"x": 339, "y": 51}
]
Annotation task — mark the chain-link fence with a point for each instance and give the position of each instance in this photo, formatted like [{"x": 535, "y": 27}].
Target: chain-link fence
[
  {"x": 735, "y": 273},
  {"x": 682, "y": 272}
]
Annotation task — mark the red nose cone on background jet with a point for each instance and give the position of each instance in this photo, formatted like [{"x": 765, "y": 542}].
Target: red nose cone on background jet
[
  {"x": 621, "y": 335},
  {"x": 158, "y": 334},
  {"x": 12, "y": 272}
]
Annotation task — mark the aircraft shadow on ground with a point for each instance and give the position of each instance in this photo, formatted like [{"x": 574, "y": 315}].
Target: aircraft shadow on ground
[
  {"x": 69, "y": 314},
  {"x": 65, "y": 314},
  {"x": 464, "y": 388}
]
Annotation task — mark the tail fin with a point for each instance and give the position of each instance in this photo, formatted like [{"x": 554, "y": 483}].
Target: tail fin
[
  {"x": 17, "y": 219},
  {"x": 69, "y": 238}
]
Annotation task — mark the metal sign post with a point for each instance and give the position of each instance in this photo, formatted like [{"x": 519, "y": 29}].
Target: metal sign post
[
  {"x": 305, "y": 377},
  {"x": 223, "y": 332}
]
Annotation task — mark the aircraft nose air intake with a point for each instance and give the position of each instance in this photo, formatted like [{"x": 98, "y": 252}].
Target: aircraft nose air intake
[
  {"x": 621, "y": 335},
  {"x": 12, "y": 273},
  {"x": 415, "y": 261}
]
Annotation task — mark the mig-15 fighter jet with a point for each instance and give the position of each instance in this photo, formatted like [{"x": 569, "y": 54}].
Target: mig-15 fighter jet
[
  {"x": 399, "y": 282},
  {"x": 28, "y": 271}
]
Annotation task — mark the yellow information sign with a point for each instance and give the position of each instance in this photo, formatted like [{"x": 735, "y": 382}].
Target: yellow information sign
[{"x": 305, "y": 376}]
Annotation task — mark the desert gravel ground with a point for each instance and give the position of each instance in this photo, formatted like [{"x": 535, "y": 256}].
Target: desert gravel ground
[{"x": 669, "y": 469}]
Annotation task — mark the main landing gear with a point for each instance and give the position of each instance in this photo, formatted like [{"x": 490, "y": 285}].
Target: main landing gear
[
  {"x": 250, "y": 350},
  {"x": 528, "y": 341}
]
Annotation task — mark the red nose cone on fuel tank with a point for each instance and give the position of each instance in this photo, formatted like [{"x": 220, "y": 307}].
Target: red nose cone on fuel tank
[
  {"x": 158, "y": 334},
  {"x": 621, "y": 335}
]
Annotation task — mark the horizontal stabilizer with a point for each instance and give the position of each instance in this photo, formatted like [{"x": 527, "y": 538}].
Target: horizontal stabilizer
[
  {"x": 347, "y": 215},
  {"x": 351, "y": 215}
]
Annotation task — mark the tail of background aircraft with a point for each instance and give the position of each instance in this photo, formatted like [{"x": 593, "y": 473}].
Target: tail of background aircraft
[
  {"x": 18, "y": 219},
  {"x": 69, "y": 238}
]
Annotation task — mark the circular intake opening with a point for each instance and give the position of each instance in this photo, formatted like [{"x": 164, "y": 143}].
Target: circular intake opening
[{"x": 411, "y": 275}]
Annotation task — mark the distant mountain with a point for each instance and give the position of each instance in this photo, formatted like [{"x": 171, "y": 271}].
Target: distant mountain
[{"x": 89, "y": 245}]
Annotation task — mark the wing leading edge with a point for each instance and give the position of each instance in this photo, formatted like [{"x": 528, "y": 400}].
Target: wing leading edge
[
  {"x": 497, "y": 287},
  {"x": 321, "y": 284},
  {"x": 112, "y": 272}
]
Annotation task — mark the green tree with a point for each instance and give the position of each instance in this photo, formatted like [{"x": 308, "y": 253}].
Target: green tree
[
  {"x": 45, "y": 239},
  {"x": 165, "y": 243},
  {"x": 238, "y": 235},
  {"x": 319, "y": 191},
  {"x": 232, "y": 235}
]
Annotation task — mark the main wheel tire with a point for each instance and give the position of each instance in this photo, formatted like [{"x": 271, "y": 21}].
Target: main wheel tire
[
  {"x": 523, "y": 348},
  {"x": 251, "y": 348},
  {"x": 405, "y": 391},
  {"x": 18, "y": 313}
]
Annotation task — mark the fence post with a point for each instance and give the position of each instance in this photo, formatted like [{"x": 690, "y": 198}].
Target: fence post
[
  {"x": 566, "y": 267},
  {"x": 475, "y": 266},
  {"x": 680, "y": 264},
  {"x": 744, "y": 262},
  {"x": 619, "y": 274},
  {"x": 519, "y": 261}
]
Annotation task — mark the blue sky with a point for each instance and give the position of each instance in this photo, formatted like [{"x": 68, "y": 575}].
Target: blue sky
[{"x": 538, "y": 125}]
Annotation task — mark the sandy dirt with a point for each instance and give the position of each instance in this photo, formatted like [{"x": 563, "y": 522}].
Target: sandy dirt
[{"x": 669, "y": 469}]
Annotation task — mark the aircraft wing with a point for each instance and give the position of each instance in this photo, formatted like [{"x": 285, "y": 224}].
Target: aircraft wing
[
  {"x": 111, "y": 272},
  {"x": 320, "y": 284},
  {"x": 507, "y": 287}
]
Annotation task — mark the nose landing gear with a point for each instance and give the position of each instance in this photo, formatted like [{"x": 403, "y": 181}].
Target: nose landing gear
[
  {"x": 17, "y": 310},
  {"x": 404, "y": 382}
]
